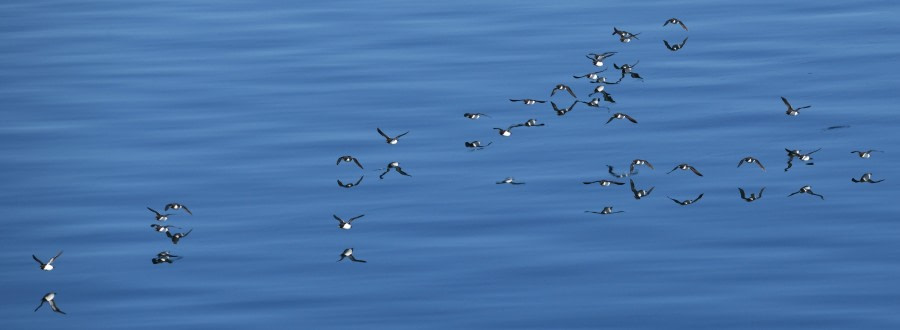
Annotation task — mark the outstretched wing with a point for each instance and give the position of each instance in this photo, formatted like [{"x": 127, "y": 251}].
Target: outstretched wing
[{"x": 382, "y": 133}]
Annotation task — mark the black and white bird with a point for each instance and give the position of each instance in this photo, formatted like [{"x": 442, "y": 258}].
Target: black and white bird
[
  {"x": 866, "y": 178},
  {"x": 595, "y": 102},
  {"x": 625, "y": 36},
  {"x": 162, "y": 229},
  {"x": 159, "y": 216},
  {"x": 527, "y": 101},
  {"x": 563, "y": 111},
  {"x": 626, "y": 68},
  {"x": 562, "y": 87},
  {"x": 346, "y": 224},
  {"x": 599, "y": 89},
  {"x": 476, "y": 145},
  {"x": 675, "y": 47},
  {"x": 350, "y": 184},
  {"x": 606, "y": 210},
  {"x": 752, "y": 196},
  {"x": 509, "y": 180},
  {"x": 806, "y": 190},
  {"x": 396, "y": 167},
  {"x": 604, "y": 183},
  {"x": 619, "y": 115},
  {"x": 348, "y": 253},
  {"x": 639, "y": 162},
  {"x": 532, "y": 123},
  {"x": 865, "y": 154},
  {"x": 591, "y": 75},
  {"x": 177, "y": 236},
  {"x": 686, "y": 167},
  {"x": 475, "y": 115},
  {"x": 164, "y": 257},
  {"x": 751, "y": 160},
  {"x": 674, "y": 20},
  {"x": 49, "y": 299},
  {"x": 597, "y": 59},
  {"x": 791, "y": 111},
  {"x": 639, "y": 193},
  {"x": 686, "y": 201},
  {"x": 176, "y": 207},
  {"x": 391, "y": 140},
  {"x": 348, "y": 159},
  {"x": 49, "y": 265},
  {"x": 507, "y": 131}
]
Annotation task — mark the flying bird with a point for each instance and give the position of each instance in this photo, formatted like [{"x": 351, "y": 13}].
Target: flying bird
[
  {"x": 562, "y": 87},
  {"x": 751, "y": 160},
  {"x": 348, "y": 159},
  {"x": 791, "y": 111},
  {"x": 391, "y": 140},
  {"x": 176, "y": 207},
  {"x": 687, "y": 201},
  {"x": 49, "y": 299},
  {"x": 49, "y": 265},
  {"x": 685, "y": 167},
  {"x": 346, "y": 224},
  {"x": 674, "y": 20},
  {"x": 350, "y": 184}
]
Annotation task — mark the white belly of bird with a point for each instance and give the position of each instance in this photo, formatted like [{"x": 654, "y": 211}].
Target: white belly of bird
[
  {"x": 393, "y": 142},
  {"x": 48, "y": 268},
  {"x": 505, "y": 133},
  {"x": 345, "y": 226}
]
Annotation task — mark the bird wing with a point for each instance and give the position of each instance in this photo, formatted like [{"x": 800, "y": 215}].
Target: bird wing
[
  {"x": 41, "y": 305},
  {"x": 337, "y": 218},
  {"x": 340, "y": 183},
  {"x": 608, "y": 121},
  {"x": 36, "y": 259},
  {"x": 617, "y": 183},
  {"x": 401, "y": 135},
  {"x": 743, "y": 195},
  {"x": 695, "y": 171},
  {"x": 667, "y": 43},
  {"x": 356, "y": 217},
  {"x": 697, "y": 199},
  {"x": 338, "y": 162},
  {"x": 154, "y": 211},
  {"x": 360, "y": 180},
  {"x": 760, "y": 165},
  {"x": 400, "y": 170},
  {"x": 54, "y": 308},
  {"x": 187, "y": 210},
  {"x": 682, "y": 25},
  {"x": 786, "y": 102},
  {"x": 382, "y": 133},
  {"x": 54, "y": 258},
  {"x": 633, "y": 121},
  {"x": 570, "y": 91},
  {"x": 352, "y": 258},
  {"x": 357, "y": 162}
]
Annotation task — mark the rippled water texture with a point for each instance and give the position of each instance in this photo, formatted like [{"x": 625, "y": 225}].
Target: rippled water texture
[{"x": 238, "y": 109}]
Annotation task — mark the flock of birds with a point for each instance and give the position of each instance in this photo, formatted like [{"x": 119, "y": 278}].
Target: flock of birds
[
  {"x": 597, "y": 59},
  {"x": 162, "y": 257}
]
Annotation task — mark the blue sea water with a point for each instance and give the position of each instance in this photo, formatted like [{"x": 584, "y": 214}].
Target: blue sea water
[{"x": 238, "y": 109}]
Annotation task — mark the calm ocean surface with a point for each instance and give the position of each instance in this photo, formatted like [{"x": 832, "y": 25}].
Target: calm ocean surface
[{"x": 238, "y": 109}]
